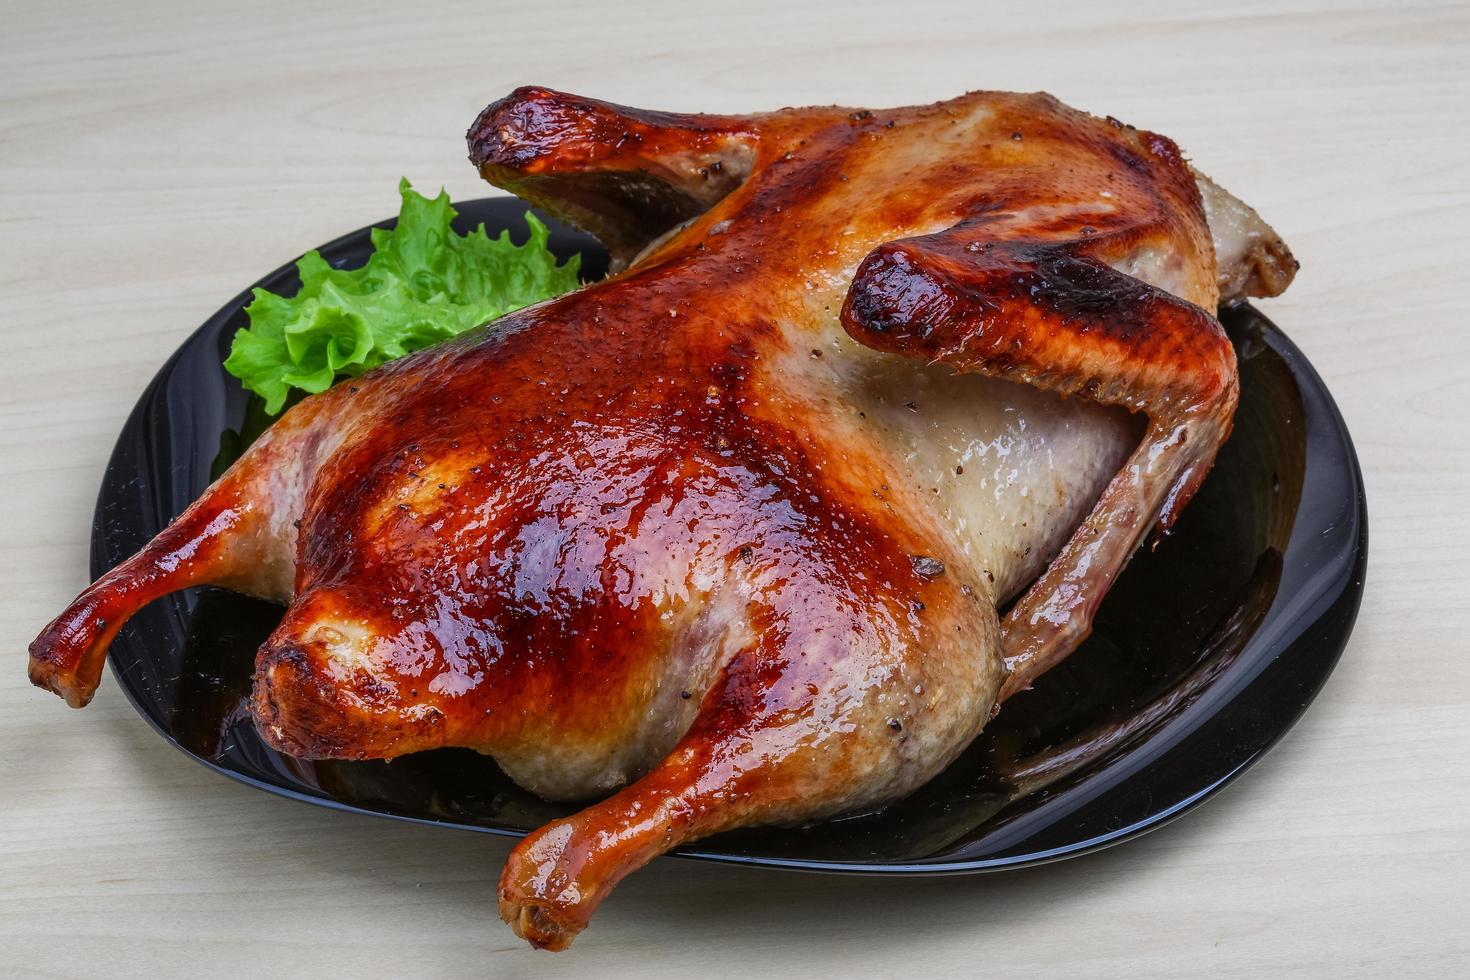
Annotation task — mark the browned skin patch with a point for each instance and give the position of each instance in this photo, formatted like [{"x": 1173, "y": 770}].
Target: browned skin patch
[{"x": 533, "y": 539}]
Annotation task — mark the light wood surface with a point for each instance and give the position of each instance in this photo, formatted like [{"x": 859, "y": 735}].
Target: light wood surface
[{"x": 156, "y": 158}]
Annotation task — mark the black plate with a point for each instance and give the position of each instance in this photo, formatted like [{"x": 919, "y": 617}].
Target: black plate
[{"x": 1205, "y": 653}]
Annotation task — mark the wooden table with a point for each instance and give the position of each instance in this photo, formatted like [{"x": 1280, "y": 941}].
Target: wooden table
[{"x": 152, "y": 161}]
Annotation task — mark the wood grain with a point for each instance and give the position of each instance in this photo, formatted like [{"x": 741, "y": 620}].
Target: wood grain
[{"x": 155, "y": 158}]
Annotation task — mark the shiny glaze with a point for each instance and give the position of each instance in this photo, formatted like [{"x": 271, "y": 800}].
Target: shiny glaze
[{"x": 695, "y": 531}]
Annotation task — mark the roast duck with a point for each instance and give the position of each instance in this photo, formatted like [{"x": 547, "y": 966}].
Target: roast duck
[{"x": 720, "y": 540}]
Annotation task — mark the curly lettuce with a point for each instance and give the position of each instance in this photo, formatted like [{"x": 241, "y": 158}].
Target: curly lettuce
[{"x": 423, "y": 283}]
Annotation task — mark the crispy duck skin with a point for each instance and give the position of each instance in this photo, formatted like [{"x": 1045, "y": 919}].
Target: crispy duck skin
[{"x": 720, "y": 540}]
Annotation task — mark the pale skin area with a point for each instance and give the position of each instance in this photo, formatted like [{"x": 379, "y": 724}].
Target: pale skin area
[{"x": 896, "y": 695}]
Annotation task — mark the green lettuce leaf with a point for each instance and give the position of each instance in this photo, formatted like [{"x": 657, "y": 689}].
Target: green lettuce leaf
[{"x": 423, "y": 283}]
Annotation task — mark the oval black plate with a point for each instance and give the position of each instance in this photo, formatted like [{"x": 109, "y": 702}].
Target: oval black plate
[{"x": 1208, "y": 649}]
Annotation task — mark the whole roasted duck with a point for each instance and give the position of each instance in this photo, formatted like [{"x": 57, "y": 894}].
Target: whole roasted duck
[{"x": 720, "y": 540}]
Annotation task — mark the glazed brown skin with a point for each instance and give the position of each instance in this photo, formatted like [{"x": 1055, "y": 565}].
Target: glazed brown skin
[{"x": 660, "y": 536}]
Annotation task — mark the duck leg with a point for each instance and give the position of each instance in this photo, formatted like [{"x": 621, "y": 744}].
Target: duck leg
[
  {"x": 238, "y": 534},
  {"x": 828, "y": 707}
]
